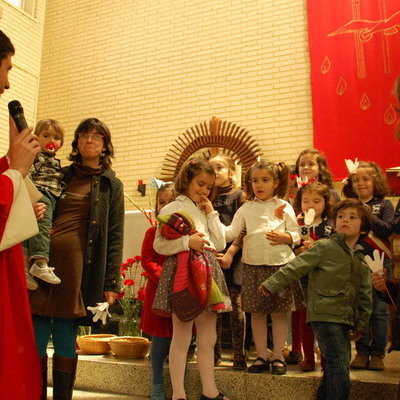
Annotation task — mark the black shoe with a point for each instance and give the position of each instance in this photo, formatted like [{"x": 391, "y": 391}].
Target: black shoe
[
  {"x": 239, "y": 362},
  {"x": 258, "y": 368},
  {"x": 217, "y": 359},
  {"x": 278, "y": 367},
  {"x": 293, "y": 358},
  {"x": 219, "y": 397}
]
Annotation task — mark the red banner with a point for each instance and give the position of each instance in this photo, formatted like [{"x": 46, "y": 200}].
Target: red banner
[{"x": 355, "y": 59}]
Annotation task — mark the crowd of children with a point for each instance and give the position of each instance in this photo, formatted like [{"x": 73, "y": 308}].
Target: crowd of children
[
  {"x": 287, "y": 244},
  {"x": 303, "y": 255}
]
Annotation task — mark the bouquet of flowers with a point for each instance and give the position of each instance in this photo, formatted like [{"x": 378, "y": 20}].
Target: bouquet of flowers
[{"x": 131, "y": 296}]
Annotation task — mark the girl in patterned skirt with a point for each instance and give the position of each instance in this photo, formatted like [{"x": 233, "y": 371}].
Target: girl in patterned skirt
[
  {"x": 272, "y": 231},
  {"x": 194, "y": 185}
]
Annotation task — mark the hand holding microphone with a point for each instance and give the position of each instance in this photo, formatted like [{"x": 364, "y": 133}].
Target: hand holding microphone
[
  {"x": 17, "y": 113},
  {"x": 23, "y": 144}
]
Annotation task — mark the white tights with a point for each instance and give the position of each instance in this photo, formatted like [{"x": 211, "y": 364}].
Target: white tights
[
  {"x": 279, "y": 333},
  {"x": 206, "y": 338}
]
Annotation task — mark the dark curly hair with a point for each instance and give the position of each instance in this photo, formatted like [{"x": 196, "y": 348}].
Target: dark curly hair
[{"x": 93, "y": 125}]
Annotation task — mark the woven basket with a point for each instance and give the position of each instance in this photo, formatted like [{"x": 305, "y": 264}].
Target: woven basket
[
  {"x": 95, "y": 344},
  {"x": 130, "y": 346}
]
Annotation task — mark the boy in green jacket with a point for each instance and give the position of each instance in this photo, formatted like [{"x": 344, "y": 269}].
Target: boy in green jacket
[{"x": 339, "y": 298}]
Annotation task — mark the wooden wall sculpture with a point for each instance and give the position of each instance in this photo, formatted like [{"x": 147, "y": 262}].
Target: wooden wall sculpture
[{"x": 210, "y": 138}]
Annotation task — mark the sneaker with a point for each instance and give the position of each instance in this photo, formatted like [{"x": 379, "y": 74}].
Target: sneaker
[
  {"x": 293, "y": 358},
  {"x": 41, "y": 270},
  {"x": 376, "y": 362},
  {"x": 31, "y": 284},
  {"x": 360, "y": 361},
  {"x": 307, "y": 366}
]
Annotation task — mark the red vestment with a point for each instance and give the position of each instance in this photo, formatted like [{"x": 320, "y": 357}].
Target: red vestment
[{"x": 20, "y": 373}]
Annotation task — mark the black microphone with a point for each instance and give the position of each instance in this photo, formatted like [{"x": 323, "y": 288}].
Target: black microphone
[{"x": 17, "y": 112}]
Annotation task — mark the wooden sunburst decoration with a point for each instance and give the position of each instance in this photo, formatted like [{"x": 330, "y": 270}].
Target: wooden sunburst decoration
[{"x": 209, "y": 137}]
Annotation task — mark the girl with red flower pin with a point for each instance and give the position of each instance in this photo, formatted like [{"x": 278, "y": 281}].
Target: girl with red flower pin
[
  {"x": 158, "y": 327},
  {"x": 311, "y": 166}
]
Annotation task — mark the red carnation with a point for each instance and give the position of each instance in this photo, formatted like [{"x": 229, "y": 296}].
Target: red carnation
[
  {"x": 120, "y": 295},
  {"x": 129, "y": 282},
  {"x": 130, "y": 260},
  {"x": 138, "y": 258},
  {"x": 141, "y": 293}
]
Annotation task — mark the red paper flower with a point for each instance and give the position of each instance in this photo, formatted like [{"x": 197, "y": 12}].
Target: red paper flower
[
  {"x": 138, "y": 258},
  {"x": 131, "y": 260},
  {"x": 129, "y": 282}
]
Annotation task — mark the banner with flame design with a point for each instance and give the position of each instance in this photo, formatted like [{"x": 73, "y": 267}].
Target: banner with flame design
[{"x": 355, "y": 59}]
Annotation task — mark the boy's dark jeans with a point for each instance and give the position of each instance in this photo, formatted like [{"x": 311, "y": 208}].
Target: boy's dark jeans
[
  {"x": 335, "y": 346},
  {"x": 39, "y": 245}
]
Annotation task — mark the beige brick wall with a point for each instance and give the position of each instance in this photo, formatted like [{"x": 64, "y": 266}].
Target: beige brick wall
[
  {"x": 26, "y": 33},
  {"x": 152, "y": 69}
]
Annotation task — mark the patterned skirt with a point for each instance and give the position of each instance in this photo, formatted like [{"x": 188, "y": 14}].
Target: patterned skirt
[
  {"x": 285, "y": 300},
  {"x": 163, "y": 303}
]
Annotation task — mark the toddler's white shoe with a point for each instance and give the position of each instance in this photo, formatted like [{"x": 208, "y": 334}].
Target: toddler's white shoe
[
  {"x": 41, "y": 270},
  {"x": 31, "y": 284}
]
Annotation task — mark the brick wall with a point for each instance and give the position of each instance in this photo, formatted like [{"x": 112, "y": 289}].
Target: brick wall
[
  {"x": 152, "y": 69},
  {"x": 25, "y": 31}
]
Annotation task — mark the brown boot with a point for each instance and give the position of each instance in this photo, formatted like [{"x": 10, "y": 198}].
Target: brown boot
[
  {"x": 43, "y": 363},
  {"x": 64, "y": 372}
]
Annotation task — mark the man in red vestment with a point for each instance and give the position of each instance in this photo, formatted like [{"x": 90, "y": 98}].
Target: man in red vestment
[{"x": 20, "y": 372}]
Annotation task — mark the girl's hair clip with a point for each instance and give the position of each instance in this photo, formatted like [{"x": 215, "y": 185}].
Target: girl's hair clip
[
  {"x": 351, "y": 165},
  {"x": 158, "y": 183},
  {"x": 192, "y": 162},
  {"x": 304, "y": 181}
]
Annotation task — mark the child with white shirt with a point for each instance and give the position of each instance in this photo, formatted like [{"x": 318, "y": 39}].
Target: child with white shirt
[
  {"x": 272, "y": 231},
  {"x": 194, "y": 185}
]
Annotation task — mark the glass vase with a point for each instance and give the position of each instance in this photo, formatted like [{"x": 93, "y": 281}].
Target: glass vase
[{"x": 129, "y": 327}]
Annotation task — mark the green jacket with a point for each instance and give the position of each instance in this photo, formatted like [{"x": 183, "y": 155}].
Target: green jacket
[{"x": 339, "y": 285}]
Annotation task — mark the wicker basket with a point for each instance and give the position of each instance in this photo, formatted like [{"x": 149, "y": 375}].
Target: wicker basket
[
  {"x": 95, "y": 344},
  {"x": 130, "y": 346}
]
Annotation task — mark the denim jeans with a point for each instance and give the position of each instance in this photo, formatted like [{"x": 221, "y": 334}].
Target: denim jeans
[
  {"x": 159, "y": 350},
  {"x": 334, "y": 343},
  {"x": 374, "y": 339}
]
